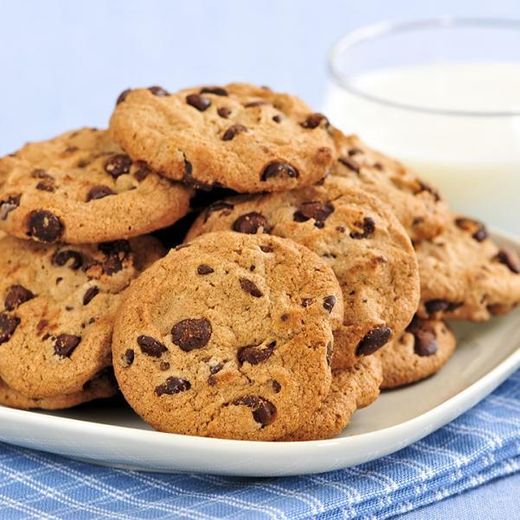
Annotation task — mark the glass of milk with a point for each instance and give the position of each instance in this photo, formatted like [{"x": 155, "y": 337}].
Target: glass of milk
[{"x": 442, "y": 95}]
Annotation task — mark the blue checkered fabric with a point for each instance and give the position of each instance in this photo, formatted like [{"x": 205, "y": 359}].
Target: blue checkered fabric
[{"x": 479, "y": 446}]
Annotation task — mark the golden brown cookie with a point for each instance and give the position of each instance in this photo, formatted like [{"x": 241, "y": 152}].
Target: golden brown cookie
[
  {"x": 229, "y": 336},
  {"x": 351, "y": 389},
  {"x": 57, "y": 310},
  {"x": 465, "y": 275},
  {"x": 239, "y": 136},
  {"x": 416, "y": 204},
  {"x": 100, "y": 387},
  {"x": 368, "y": 249},
  {"x": 420, "y": 352},
  {"x": 81, "y": 188}
]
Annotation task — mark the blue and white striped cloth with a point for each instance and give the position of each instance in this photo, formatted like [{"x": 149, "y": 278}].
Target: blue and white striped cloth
[{"x": 479, "y": 446}]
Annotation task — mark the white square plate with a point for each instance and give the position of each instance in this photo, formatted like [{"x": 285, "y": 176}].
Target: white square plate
[{"x": 111, "y": 434}]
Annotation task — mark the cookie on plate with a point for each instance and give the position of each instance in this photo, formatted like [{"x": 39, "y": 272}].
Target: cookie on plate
[
  {"x": 368, "y": 249},
  {"x": 100, "y": 387},
  {"x": 81, "y": 188},
  {"x": 57, "y": 310},
  {"x": 465, "y": 275},
  {"x": 416, "y": 204},
  {"x": 420, "y": 352},
  {"x": 239, "y": 136},
  {"x": 229, "y": 336},
  {"x": 351, "y": 389}
]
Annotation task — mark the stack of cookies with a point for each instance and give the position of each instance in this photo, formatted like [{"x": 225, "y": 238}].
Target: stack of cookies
[{"x": 244, "y": 269}]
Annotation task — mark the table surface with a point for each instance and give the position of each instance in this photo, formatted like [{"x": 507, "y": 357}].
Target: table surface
[{"x": 63, "y": 64}]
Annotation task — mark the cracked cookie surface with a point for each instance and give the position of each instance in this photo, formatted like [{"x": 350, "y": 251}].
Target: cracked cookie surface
[
  {"x": 418, "y": 353},
  {"x": 416, "y": 204},
  {"x": 239, "y": 136},
  {"x": 229, "y": 336},
  {"x": 368, "y": 249},
  {"x": 58, "y": 304},
  {"x": 81, "y": 188},
  {"x": 465, "y": 275}
]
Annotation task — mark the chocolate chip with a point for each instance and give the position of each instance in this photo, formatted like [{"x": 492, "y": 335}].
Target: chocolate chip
[
  {"x": 277, "y": 119},
  {"x": 425, "y": 340},
  {"x": 319, "y": 211},
  {"x": 118, "y": 164},
  {"x": 224, "y": 112},
  {"x": 367, "y": 225},
  {"x": 373, "y": 340},
  {"x": 199, "y": 102},
  {"x": 266, "y": 249},
  {"x": 306, "y": 302},
  {"x": 232, "y": 131},
  {"x": 90, "y": 294},
  {"x": 350, "y": 163},
  {"x": 65, "y": 344},
  {"x": 191, "y": 334},
  {"x": 128, "y": 357},
  {"x": 9, "y": 204},
  {"x": 252, "y": 222},
  {"x": 142, "y": 171},
  {"x": 204, "y": 269},
  {"x": 158, "y": 91},
  {"x": 277, "y": 387},
  {"x": 278, "y": 169},
  {"x": 164, "y": 365},
  {"x": 217, "y": 91},
  {"x": 116, "y": 253},
  {"x": 477, "y": 229},
  {"x": 219, "y": 205},
  {"x": 255, "y": 354},
  {"x": 72, "y": 259},
  {"x": 509, "y": 259},
  {"x": 329, "y": 302},
  {"x": 151, "y": 346},
  {"x": 215, "y": 369},
  {"x": 438, "y": 305},
  {"x": 8, "y": 326},
  {"x": 122, "y": 96},
  {"x": 46, "y": 185},
  {"x": 250, "y": 287},
  {"x": 16, "y": 295},
  {"x": 340, "y": 229},
  {"x": 264, "y": 412},
  {"x": 173, "y": 385},
  {"x": 45, "y": 226},
  {"x": 426, "y": 187},
  {"x": 99, "y": 192},
  {"x": 314, "y": 120}
]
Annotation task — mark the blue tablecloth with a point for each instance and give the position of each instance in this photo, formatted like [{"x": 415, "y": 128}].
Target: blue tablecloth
[{"x": 481, "y": 445}]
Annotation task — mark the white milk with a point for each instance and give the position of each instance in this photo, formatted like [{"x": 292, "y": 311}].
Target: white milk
[{"x": 474, "y": 161}]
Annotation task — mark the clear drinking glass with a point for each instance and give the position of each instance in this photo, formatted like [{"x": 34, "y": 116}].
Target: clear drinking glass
[{"x": 442, "y": 95}]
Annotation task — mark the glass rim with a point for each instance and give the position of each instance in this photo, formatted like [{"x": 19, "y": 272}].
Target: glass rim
[{"x": 377, "y": 30}]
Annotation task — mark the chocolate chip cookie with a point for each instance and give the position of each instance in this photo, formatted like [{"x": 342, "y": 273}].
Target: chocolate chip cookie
[
  {"x": 58, "y": 304},
  {"x": 239, "y": 136},
  {"x": 465, "y": 275},
  {"x": 100, "y": 387},
  {"x": 81, "y": 188},
  {"x": 351, "y": 389},
  {"x": 416, "y": 204},
  {"x": 420, "y": 352},
  {"x": 368, "y": 249},
  {"x": 229, "y": 336}
]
